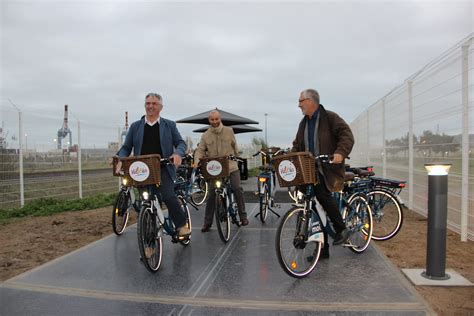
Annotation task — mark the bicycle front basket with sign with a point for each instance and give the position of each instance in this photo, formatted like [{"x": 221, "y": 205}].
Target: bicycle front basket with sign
[
  {"x": 295, "y": 169},
  {"x": 214, "y": 167},
  {"x": 141, "y": 170}
]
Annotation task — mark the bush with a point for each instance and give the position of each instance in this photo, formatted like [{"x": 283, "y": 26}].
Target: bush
[{"x": 49, "y": 206}]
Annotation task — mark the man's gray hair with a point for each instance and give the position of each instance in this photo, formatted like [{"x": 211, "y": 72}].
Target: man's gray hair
[
  {"x": 156, "y": 95},
  {"x": 312, "y": 94}
]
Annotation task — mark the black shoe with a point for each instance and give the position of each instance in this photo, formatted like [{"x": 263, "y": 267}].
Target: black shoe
[
  {"x": 323, "y": 255},
  {"x": 244, "y": 222},
  {"x": 341, "y": 237},
  {"x": 205, "y": 228}
]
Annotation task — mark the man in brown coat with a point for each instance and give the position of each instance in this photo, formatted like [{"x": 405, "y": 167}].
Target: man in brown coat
[
  {"x": 324, "y": 132},
  {"x": 219, "y": 140}
]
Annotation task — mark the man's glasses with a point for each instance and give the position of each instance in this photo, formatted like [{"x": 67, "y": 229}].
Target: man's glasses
[{"x": 302, "y": 100}]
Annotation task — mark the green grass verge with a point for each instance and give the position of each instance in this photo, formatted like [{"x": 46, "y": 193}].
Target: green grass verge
[
  {"x": 253, "y": 172},
  {"x": 49, "y": 206}
]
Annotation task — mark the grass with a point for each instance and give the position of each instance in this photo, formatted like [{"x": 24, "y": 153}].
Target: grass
[{"x": 49, "y": 206}]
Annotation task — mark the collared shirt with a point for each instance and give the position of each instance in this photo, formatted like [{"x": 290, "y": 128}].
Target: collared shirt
[
  {"x": 152, "y": 123},
  {"x": 311, "y": 126}
]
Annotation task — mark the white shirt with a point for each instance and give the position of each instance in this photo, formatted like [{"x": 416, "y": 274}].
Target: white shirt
[{"x": 152, "y": 123}]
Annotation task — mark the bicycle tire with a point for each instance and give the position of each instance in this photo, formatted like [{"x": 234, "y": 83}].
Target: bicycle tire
[
  {"x": 187, "y": 214},
  {"x": 222, "y": 219},
  {"x": 264, "y": 203},
  {"x": 292, "y": 249},
  {"x": 357, "y": 216},
  {"x": 199, "y": 197},
  {"x": 387, "y": 214},
  {"x": 149, "y": 237},
  {"x": 120, "y": 212}
]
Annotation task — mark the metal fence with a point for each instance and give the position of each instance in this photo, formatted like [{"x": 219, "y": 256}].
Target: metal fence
[
  {"x": 37, "y": 162},
  {"x": 426, "y": 119}
]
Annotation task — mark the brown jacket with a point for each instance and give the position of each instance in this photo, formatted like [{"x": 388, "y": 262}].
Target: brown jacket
[
  {"x": 217, "y": 142},
  {"x": 334, "y": 136}
]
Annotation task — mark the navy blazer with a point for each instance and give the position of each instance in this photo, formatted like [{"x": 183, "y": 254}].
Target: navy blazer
[{"x": 170, "y": 138}]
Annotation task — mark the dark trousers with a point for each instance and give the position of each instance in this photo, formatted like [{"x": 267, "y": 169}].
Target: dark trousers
[
  {"x": 328, "y": 202},
  {"x": 238, "y": 194},
  {"x": 168, "y": 196}
]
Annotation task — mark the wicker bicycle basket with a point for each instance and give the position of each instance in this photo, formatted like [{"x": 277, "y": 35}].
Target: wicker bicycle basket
[
  {"x": 140, "y": 170},
  {"x": 214, "y": 167},
  {"x": 295, "y": 169}
]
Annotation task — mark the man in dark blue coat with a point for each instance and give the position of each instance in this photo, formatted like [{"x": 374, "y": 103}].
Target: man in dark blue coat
[{"x": 156, "y": 135}]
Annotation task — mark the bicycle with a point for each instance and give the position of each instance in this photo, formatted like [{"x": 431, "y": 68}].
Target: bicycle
[
  {"x": 196, "y": 187},
  {"x": 383, "y": 197},
  {"x": 121, "y": 208},
  {"x": 266, "y": 183},
  {"x": 300, "y": 235},
  {"x": 124, "y": 202},
  {"x": 153, "y": 222},
  {"x": 217, "y": 169}
]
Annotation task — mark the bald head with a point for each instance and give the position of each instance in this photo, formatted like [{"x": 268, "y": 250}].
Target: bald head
[{"x": 214, "y": 118}]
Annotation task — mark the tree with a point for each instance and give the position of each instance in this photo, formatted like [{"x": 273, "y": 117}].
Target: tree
[{"x": 259, "y": 142}]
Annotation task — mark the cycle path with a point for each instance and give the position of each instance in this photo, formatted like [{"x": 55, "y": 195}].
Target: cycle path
[{"x": 210, "y": 278}]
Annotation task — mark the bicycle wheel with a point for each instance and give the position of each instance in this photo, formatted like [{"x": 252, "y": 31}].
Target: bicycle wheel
[
  {"x": 120, "y": 212},
  {"x": 296, "y": 256},
  {"x": 199, "y": 190},
  {"x": 264, "y": 203},
  {"x": 387, "y": 214},
  {"x": 357, "y": 216},
  {"x": 222, "y": 219},
  {"x": 150, "y": 241},
  {"x": 187, "y": 214}
]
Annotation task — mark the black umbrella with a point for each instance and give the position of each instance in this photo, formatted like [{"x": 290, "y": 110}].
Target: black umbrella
[
  {"x": 237, "y": 129},
  {"x": 226, "y": 118}
]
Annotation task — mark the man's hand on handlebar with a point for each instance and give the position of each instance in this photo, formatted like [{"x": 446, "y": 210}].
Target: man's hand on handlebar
[
  {"x": 176, "y": 159},
  {"x": 337, "y": 158}
]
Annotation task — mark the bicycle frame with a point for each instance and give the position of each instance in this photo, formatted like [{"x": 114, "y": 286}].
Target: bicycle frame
[{"x": 224, "y": 190}]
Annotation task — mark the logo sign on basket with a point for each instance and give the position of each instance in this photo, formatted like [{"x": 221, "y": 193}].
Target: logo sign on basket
[
  {"x": 214, "y": 167},
  {"x": 139, "y": 171},
  {"x": 287, "y": 170}
]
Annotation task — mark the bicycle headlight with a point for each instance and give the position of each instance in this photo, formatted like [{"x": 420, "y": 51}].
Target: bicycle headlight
[
  {"x": 262, "y": 179},
  {"x": 124, "y": 181},
  {"x": 145, "y": 195},
  {"x": 218, "y": 184}
]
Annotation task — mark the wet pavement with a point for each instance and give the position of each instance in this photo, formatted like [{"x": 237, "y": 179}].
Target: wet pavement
[{"x": 209, "y": 277}]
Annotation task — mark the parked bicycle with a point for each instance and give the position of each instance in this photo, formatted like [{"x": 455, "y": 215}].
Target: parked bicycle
[
  {"x": 383, "y": 197},
  {"x": 195, "y": 188},
  {"x": 123, "y": 205},
  {"x": 300, "y": 236},
  {"x": 121, "y": 208},
  {"x": 266, "y": 183},
  {"x": 153, "y": 222},
  {"x": 217, "y": 170}
]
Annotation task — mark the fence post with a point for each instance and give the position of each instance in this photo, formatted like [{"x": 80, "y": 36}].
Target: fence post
[
  {"x": 384, "y": 148},
  {"x": 410, "y": 145},
  {"x": 119, "y": 146},
  {"x": 465, "y": 141},
  {"x": 20, "y": 145},
  {"x": 79, "y": 157},
  {"x": 367, "y": 120}
]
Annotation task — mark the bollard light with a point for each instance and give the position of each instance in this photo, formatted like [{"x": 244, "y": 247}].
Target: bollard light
[{"x": 437, "y": 219}]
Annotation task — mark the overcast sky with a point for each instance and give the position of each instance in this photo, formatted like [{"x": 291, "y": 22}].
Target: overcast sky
[{"x": 103, "y": 57}]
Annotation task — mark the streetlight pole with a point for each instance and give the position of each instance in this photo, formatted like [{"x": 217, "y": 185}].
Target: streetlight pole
[{"x": 266, "y": 141}]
